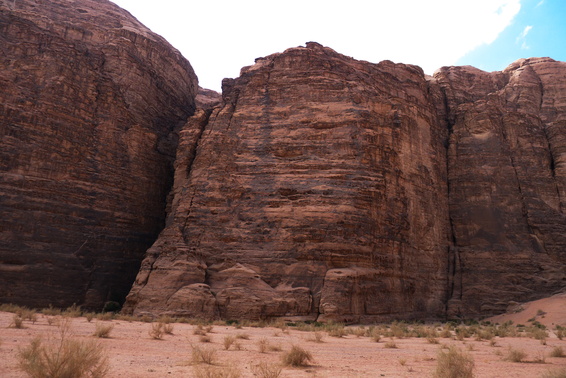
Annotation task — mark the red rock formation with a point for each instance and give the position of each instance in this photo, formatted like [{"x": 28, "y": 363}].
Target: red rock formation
[
  {"x": 318, "y": 190},
  {"x": 506, "y": 183},
  {"x": 89, "y": 100}
]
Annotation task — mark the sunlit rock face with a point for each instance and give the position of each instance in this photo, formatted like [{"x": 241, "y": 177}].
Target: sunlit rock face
[
  {"x": 318, "y": 190},
  {"x": 506, "y": 179},
  {"x": 89, "y": 104}
]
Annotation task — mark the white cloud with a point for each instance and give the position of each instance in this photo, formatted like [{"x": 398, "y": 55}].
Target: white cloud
[
  {"x": 219, "y": 37},
  {"x": 522, "y": 38}
]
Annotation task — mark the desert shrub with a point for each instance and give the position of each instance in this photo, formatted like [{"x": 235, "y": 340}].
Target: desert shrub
[
  {"x": 316, "y": 337},
  {"x": 515, "y": 355},
  {"x": 297, "y": 356},
  {"x": 51, "y": 311},
  {"x": 228, "y": 341},
  {"x": 63, "y": 358},
  {"x": 17, "y": 322},
  {"x": 537, "y": 333},
  {"x": 243, "y": 336},
  {"x": 105, "y": 316},
  {"x": 73, "y": 311},
  {"x": 89, "y": 316},
  {"x": 432, "y": 340},
  {"x": 205, "y": 339},
  {"x": 168, "y": 328},
  {"x": 199, "y": 330},
  {"x": 208, "y": 371},
  {"x": 203, "y": 355},
  {"x": 557, "y": 351},
  {"x": 208, "y": 329},
  {"x": 265, "y": 370},
  {"x": 103, "y": 330},
  {"x": 560, "y": 332},
  {"x": 454, "y": 363},
  {"x": 559, "y": 373},
  {"x": 263, "y": 345},
  {"x": 336, "y": 330},
  {"x": 274, "y": 348},
  {"x": 390, "y": 345},
  {"x": 156, "y": 331}
]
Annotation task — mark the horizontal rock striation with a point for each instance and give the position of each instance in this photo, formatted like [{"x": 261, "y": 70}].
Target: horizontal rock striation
[
  {"x": 89, "y": 104},
  {"x": 506, "y": 178},
  {"x": 317, "y": 190}
]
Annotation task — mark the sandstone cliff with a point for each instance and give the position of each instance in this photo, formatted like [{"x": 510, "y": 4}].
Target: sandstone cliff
[
  {"x": 327, "y": 188},
  {"x": 89, "y": 102},
  {"x": 318, "y": 190},
  {"x": 506, "y": 179}
]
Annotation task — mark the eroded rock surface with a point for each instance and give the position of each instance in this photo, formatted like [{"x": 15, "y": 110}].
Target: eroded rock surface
[
  {"x": 89, "y": 102},
  {"x": 316, "y": 190},
  {"x": 506, "y": 174}
]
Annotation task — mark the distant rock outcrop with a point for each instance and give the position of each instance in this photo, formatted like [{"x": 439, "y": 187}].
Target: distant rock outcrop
[{"x": 89, "y": 104}]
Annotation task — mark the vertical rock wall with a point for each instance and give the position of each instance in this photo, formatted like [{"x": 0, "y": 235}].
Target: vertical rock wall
[
  {"x": 318, "y": 190},
  {"x": 89, "y": 102},
  {"x": 506, "y": 177}
]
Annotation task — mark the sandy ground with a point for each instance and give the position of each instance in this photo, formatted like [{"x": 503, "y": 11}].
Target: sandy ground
[{"x": 133, "y": 353}]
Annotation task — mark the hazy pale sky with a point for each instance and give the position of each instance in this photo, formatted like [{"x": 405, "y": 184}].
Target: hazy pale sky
[{"x": 219, "y": 37}]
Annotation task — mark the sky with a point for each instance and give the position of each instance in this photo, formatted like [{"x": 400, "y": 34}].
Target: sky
[{"x": 219, "y": 37}]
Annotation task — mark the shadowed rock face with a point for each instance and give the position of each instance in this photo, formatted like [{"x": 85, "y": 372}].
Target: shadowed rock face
[
  {"x": 506, "y": 176},
  {"x": 318, "y": 190},
  {"x": 89, "y": 102}
]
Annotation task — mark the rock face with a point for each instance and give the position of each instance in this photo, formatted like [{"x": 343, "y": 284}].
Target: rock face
[
  {"x": 89, "y": 103},
  {"x": 327, "y": 188},
  {"x": 506, "y": 179},
  {"x": 318, "y": 190},
  {"x": 316, "y": 187}
]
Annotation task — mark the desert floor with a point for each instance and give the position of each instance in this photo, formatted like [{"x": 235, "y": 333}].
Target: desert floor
[{"x": 132, "y": 352}]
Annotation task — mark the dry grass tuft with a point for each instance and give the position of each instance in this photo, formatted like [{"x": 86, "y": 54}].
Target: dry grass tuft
[
  {"x": 103, "y": 330},
  {"x": 390, "y": 344},
  {"x": 454, "y": 364},
  {"x": 65, "y": 357},
  {"x": 316, "y": 337},
  {"x": 203, "y": 355},
  {"x": 557, "y": 351},
  {"x": 17, "y": 322},
  {"x": 265, "y": 370},
  {"x": 297, "y": 356},
  {"x": 228, "y": 341},
  {"x": 515, "y": 355},
  {"x": 156, "y": 331},
  {"x": 243, "y": 336}
]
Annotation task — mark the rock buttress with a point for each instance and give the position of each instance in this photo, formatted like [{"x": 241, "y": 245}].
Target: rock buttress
[
  {"x": 89, "y": 102},
  {"x": 317, "y": 191},
  {"x": 506, "y": 172}
]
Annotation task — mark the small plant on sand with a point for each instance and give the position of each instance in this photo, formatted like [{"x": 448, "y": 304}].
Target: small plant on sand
[
  {"x": 297, "y": 356},
  {"x": 515, "y": 355},
  {"x": 203, "y": 355},
  {"x": 228, "y": 341},
  {"x": 432, "y": 340},
  {"x": 316, "y": 337},
  {"x": 63, "y": 357},
  {"x": 454, "y": 363},
  {"x": 208, "y": 371},
  {"x": 390, "y": 345},
  {"x": 243, "y": 336},
  {"x": 265, "y": 370},
  {"x": 263, "y": 345},
  {"x": 557, "y": 351},
  {"x": 103, "y": 330},
  {"x": 156, "y": 331},
  {"x": 205, "y": 339},
  {"x": 17, "y": 322}
]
